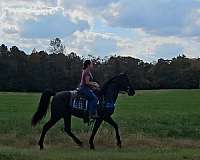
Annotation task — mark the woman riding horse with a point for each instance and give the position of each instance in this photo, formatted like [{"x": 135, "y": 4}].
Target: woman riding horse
[
  {"x": 86, "y": 86},
  {"x": 60, "y": 108}
]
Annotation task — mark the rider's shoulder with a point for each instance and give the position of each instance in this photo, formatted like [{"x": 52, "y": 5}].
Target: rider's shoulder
[{"x": 86, "y": 72}]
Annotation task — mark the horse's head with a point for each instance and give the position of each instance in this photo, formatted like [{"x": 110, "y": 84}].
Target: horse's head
[
  {"x": 125, "y": 84},
  {"x": 119, "y": 83}
]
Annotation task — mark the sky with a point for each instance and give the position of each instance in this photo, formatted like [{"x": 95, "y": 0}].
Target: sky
[{"x": 145, "y": 29}]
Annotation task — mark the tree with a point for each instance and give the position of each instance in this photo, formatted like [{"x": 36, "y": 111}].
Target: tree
[
  {"x": 56, "y": 46},
  {"x": 39, "y": 70},
  {"x": 3, "y": 50}
]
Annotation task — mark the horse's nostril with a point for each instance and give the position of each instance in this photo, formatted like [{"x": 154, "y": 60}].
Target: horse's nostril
[{"x": 131, "y": 92}]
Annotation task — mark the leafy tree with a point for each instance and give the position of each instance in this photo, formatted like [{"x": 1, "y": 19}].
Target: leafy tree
[
  {"x": 56, "y": 46},
  {"x": 40, "y": 70}
]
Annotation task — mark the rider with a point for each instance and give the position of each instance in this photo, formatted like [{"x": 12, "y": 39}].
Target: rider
[{"x": 85, "y": 88}]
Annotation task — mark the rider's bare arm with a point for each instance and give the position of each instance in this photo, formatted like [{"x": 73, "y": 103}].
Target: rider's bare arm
[{"x": 90, "y": 83}]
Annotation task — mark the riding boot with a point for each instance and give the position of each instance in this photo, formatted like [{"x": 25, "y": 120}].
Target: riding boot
[{"x": 94, "y": 115}]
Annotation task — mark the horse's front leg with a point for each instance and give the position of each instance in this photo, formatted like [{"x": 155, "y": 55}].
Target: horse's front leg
[
  {"x": 94, "y": 131},
  {"x": 114, "y": 124}
]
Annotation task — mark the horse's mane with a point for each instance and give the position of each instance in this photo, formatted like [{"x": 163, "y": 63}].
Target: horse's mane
[{"x": 108, "y": 82}]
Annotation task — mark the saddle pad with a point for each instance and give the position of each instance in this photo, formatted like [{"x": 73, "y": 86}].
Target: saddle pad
[
  {"x": 80, "y": 103},
  {"x": 79, "y": 106}
]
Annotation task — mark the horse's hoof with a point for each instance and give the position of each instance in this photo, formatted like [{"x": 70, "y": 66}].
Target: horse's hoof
[
  {"x": 119, "y": 145},
  {"x": 92, "y": 148},
  {"x": 81, "y": 145},
  {"x": 41, "y": 146}
]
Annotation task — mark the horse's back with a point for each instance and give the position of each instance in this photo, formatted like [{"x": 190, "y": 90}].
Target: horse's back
[{"x": 61, "y": 102}]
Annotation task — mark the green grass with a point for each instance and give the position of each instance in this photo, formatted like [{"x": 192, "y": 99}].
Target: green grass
[
  {"x": 153, "y": 124},
  {"x": 101, "y": 154},
  {"x": 166, "y": 113}
]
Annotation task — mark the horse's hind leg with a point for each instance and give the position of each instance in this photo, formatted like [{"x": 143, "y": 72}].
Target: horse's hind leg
[
  {"x": 67, "y": 122},
  {"x": 46, "y": 127}
]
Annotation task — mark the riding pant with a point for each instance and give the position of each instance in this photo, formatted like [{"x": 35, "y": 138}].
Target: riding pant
[{"x": 91, "y": 97}]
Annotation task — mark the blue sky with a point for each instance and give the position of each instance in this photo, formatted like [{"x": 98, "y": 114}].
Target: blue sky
[{"x": 145, "y": 29}]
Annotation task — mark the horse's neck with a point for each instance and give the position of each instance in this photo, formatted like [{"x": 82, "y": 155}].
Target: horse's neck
[{"x": 110, "y": 93}]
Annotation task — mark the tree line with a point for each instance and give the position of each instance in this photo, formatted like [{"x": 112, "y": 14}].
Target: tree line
[{"x": 41, "y": 70}]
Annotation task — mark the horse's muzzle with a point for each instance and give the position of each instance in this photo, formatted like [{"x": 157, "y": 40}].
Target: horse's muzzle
[{"x": 131, "y": 92}]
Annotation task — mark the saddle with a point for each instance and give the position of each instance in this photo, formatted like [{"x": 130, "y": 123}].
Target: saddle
[{"x": 79, "y": 105}]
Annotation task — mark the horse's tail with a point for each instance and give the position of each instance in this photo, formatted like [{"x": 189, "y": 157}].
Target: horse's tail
[{"x": 43, "y": 106}]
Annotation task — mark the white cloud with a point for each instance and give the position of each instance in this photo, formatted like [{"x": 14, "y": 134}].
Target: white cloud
[
  {"x": 50, "y": 26},
  {"x": 88, "y": 42},
  {"x": 160, "y": 17},
  {"x": 80, "y": 13},
  {"x": 140, "y": 28}
]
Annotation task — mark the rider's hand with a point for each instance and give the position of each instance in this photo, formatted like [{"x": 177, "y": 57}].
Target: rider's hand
[{"x": 96, "y": 84}]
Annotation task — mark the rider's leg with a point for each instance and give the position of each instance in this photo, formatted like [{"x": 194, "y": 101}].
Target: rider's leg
[
  {"x": 92, "y": 99},
  {"x": 93, "y": 103}
]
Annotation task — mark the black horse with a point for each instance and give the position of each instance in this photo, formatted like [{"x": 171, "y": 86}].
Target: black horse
[{"x": 60, "y": 108}]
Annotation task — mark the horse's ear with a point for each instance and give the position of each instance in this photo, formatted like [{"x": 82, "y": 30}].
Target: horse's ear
[{"x": 123, "y": 73}]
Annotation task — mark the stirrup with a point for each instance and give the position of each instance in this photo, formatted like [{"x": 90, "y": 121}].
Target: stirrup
[{"x": 93, "y": 116}]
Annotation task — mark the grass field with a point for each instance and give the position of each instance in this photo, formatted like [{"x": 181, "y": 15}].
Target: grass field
[{"x": 161, "y": 124}]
